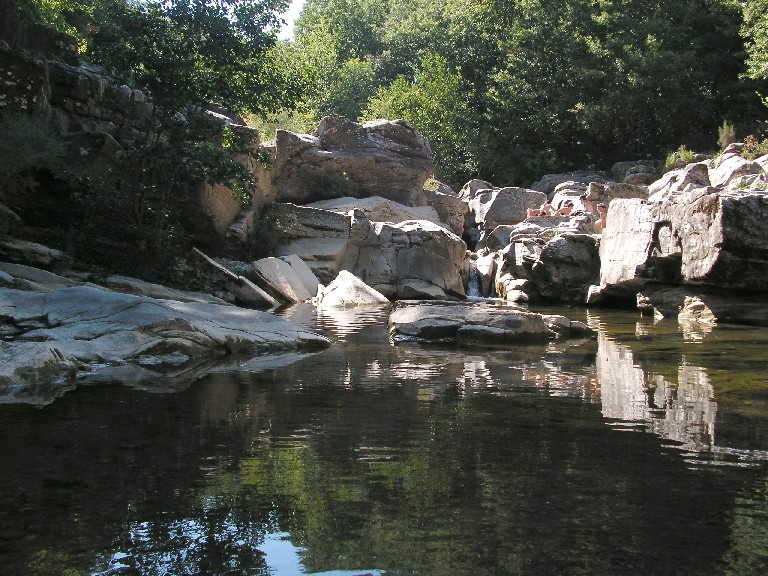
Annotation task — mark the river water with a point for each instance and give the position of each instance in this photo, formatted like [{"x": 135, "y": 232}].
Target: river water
[{"x": 644, "y": 451}]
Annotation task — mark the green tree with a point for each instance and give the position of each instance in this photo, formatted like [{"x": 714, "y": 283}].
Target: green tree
[
  {"x": 755, "y": 31},
  {"x": 434, "y": 105},
  {"x": 191, "y": 53}
]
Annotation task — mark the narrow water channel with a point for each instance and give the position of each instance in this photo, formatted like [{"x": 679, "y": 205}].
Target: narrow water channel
[{"x": 644, "y": 451}]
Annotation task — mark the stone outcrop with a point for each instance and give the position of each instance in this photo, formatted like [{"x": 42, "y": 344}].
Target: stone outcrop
[
  {"x": 342, "y": 158},
  {"x": 476, "y": 324},
  {"x": 637, "y": 172},
  {"x": 53, "y": 334},
  {"x": 450, "y": 207},
  {"x": 692, "y": 234},
  {"x": 549, "y": 182},
  {"x": 378, "y": 209},
  {"x": 495, "y": 207},
  {"x": 413, "y": 259},
  {"x": 566, "y": 267},
  {"x": 319, "y": 237},
  {"x": 348, "y": 291},
  {"x": 230, "y": 286}
]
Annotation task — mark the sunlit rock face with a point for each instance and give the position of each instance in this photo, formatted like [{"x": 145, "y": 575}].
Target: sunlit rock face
[
  {"x": 52, "y": 334},
  {"x": 701, "y": 236},
  {"x": 413, "y": 259},
  {"x": 343, "y": 158}
]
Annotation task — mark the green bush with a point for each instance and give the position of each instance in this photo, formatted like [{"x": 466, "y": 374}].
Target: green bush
[
  {"x": 753, "y": 148},
  {"x": 726, "y": 135}
]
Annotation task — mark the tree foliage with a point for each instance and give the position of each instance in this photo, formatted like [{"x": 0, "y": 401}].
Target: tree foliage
[
  {"x": 755, "y": 30},
  {"x": 541, "y": 85}
]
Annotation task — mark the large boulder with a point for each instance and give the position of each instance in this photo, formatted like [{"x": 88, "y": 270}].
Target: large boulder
[
  {"x": 549, "y": 182},
  {"x": 699, "y": 236},
  {"x": 413, "y": 259},
  {"x": 343, "y": 158},
  {"x": 378, "y": 209},
  {"x": 228, "y": 285},
  {"x": 475, "y": 323},
  {"x": 348, "y": 291},
  {"x": 626, "y": 245},
  {"x": 492, "y": 208},
  {"x": 566, "y": 267},
  {"x": 319, "y": 237},
  {"x": 607, "y": 192},
  {"x": 731, "y": 165},
  {"x": 51, "y": 334},
  {"x": 280, "y": 277},
  {"x": 691, "y": 176},
  {"x": 638, "y": 172},
  {"x": 450, "y": 207}
]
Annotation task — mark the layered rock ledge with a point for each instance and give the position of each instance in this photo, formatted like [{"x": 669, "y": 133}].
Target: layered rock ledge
[{"x": 51, "y": 336}]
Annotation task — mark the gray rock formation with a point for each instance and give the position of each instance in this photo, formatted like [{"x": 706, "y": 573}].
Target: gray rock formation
[
  {"x": 475, "y": 324},
  {"x": 378, "y": 209},
  {"x": 702, "y": 238},
  {"x": 348, "y": 291},
  {"x": 51, "y": 335},
  {"x": 414, "y": 259},
  {"x": 280, "y": 277},
  {"x": 549, "y": 182},
  {"x": 566, "y": 267},
  {"x": 229, "y": 286},
  {"x": 492, "y": 208},
  {"x": 342, "y": 158}
]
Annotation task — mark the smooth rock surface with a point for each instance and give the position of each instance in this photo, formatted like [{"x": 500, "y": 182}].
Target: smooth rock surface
[
  {"x": 348, "y": 291},
  {"x": 50, "y": 335},
  {"x": 475, "y": 323}
]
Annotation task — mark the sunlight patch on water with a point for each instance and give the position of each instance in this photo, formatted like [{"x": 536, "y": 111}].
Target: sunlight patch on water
[{"x": 284, "y": 559}]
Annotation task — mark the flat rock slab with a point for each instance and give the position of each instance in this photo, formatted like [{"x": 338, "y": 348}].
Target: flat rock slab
[
  {"x": 50, "y": 335},
  {"x": 476, "y": 323}
]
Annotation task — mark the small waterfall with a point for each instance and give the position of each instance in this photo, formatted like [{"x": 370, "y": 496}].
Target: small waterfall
[{"x": 473, "y": 283}]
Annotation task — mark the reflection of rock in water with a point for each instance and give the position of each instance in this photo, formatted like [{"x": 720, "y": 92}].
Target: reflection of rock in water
[
  {"x": 476, "y": 376},
  {"x": 683, "y": 412},
  {"x": 687, "y": 411}
]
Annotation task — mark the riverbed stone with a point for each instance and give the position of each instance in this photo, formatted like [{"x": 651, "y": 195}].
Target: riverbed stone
[
  {"x": 348, "y": 291},
  {"x": 474, "y": 324},
  {"x": 63, "y": 330}
]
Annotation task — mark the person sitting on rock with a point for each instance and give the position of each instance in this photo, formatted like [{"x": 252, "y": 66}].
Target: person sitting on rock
[
  {"x": 602, "y": 213},
  {"x": 565, "y": 210},
  {"x": 544, "y": 210}
]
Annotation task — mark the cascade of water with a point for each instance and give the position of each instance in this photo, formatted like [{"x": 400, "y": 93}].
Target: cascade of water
[{"x": 473, "y": 283}]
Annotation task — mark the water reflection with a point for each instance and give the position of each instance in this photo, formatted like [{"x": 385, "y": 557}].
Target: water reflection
[
  {"x": 682, "y": 411},
  {"x": 369, "y": 458}
]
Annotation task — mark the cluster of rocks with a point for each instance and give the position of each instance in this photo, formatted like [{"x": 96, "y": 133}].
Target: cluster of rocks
[
  {"x": 695, "y": 246},
  {"x": 353, "y": 216}
]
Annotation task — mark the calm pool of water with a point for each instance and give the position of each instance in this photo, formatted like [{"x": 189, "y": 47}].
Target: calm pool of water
[{"x": 644, "y": 451}]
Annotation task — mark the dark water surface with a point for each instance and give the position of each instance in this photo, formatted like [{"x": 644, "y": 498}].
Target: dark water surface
[{"x": 642, "y": 452}]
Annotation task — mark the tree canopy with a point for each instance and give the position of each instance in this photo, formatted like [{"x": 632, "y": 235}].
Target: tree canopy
[
  {"x": 504, "y": 89},
  {"x": 528, "y": 86}
]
